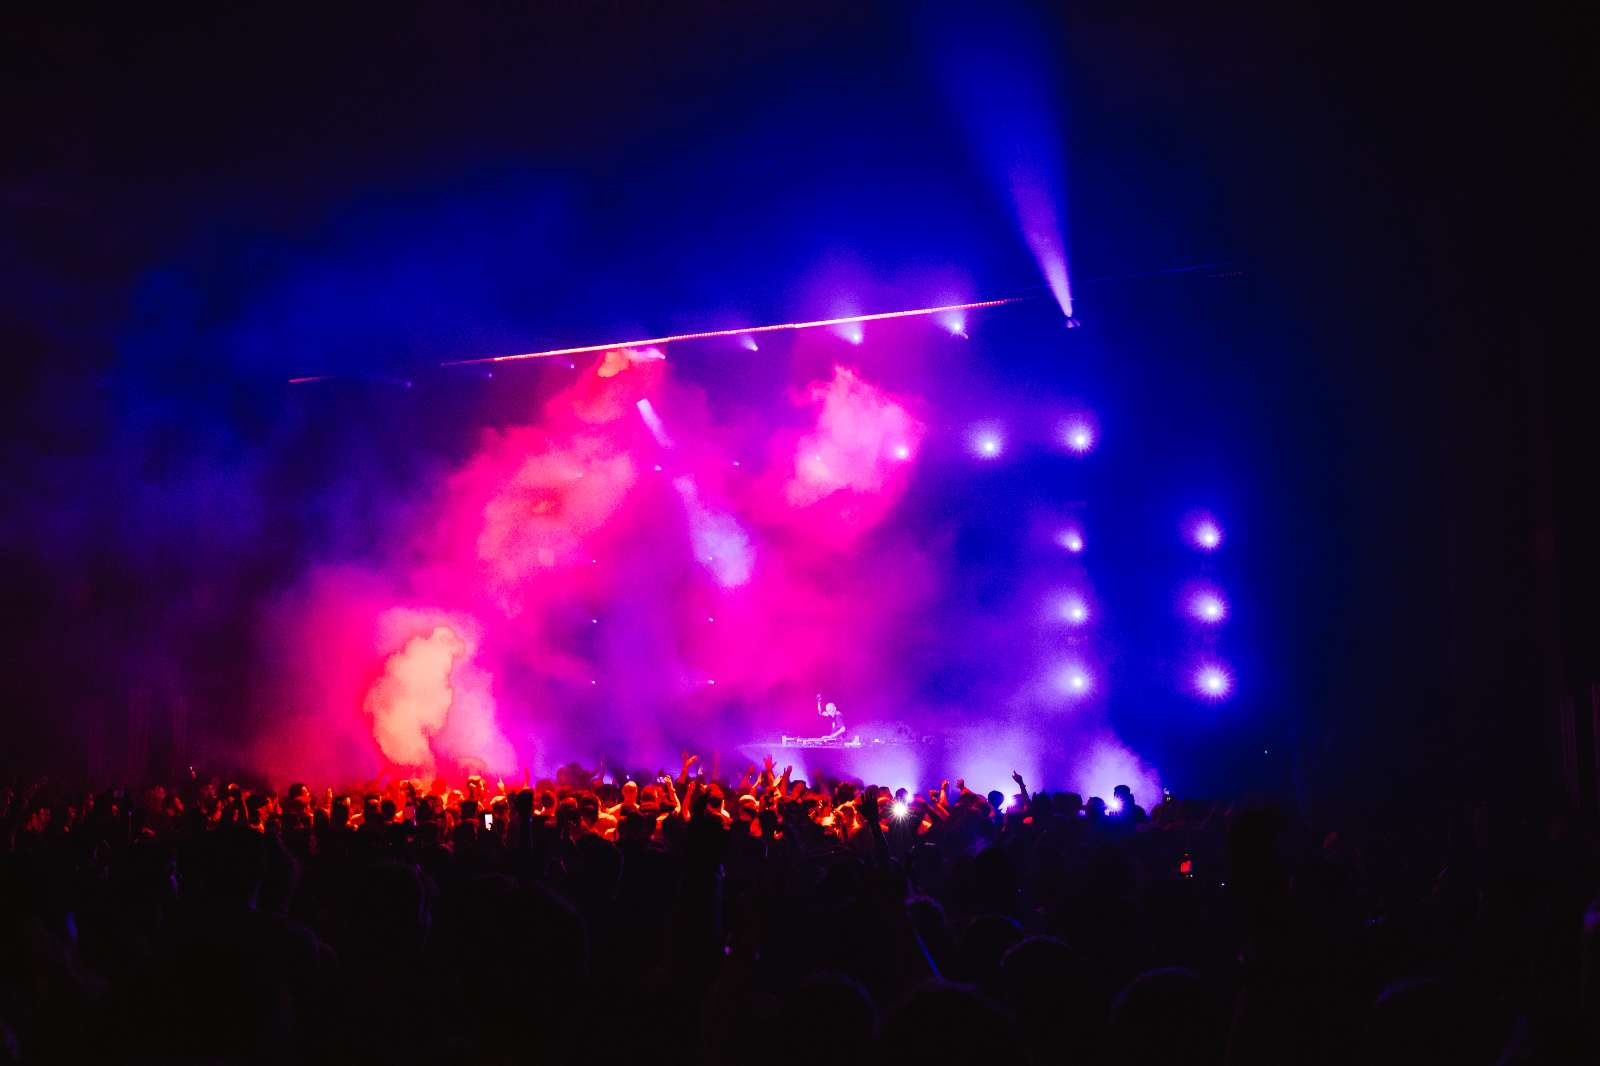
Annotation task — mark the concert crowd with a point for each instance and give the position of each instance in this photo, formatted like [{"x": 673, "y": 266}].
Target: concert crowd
[{"x": 696, "y": 918}]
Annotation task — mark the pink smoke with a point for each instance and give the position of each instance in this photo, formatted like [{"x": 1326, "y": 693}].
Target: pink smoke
[
  {"x": 597, "y": 581},
  {"x": 860, "y": 435},
  {"x": 432, "y": 704},
  {"x": 409, "y": 702}
]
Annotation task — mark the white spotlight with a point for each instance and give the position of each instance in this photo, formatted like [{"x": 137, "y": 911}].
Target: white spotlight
[
  {"x": 1078, "y": 435},
  {"x": 987, "y": 442},
  {"x": 1206, "y": 534},
  {"x": 1074, "y": 681},
  {"x": 1213, "y": 682}
]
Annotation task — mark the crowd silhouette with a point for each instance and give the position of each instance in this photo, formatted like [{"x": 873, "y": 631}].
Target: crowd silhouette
[{"x": 682, "y": 918}]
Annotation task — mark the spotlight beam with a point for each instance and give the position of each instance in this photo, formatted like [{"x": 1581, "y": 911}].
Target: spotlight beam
[{"x": 711, "y": 333}]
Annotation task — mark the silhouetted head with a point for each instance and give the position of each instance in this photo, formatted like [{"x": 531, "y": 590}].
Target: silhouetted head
[
  {"x": 1424, "y": 1022},
  {"x": 947, "y": 1022},
  {"x": 1165, "y": 1016},
  {"x": 838, "y": 1015},
  {"x": 984, "y": 943}
]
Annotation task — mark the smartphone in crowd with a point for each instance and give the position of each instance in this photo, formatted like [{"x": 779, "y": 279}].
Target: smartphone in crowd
[{"x": 488, "y": 820}]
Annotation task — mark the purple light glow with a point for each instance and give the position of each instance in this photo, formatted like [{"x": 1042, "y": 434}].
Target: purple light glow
[
  {"x": 1208, "y": 606},
  {"x": 1206, "y": 534},
  {"x": 1074, "y": 610},
  {"x": 1213, "y": 682},
  {"x": 1074, "y": 681},
  {"x": 1071, "y": 540},
  {"x": 1078, "y": 436},
  {"x": 987, "y": 442},
  {"x": 1108, "y": 764}
]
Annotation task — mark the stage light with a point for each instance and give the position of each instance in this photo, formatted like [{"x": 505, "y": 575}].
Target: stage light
[
  {"x": 1071, "y": 540},
  {"x": 1206, "y": 534},
  {"x": 1074, "y": 681},
  {"x": 900, "y": 809},
  {"x": 987, "y": 442},
  {"x": 855, "y": 336},
  {"x": 1207, "y": 605},
  {"x": 1075, "y": 611},
  {"x": 742, "y": 332},
  {"x": 901, "y": 452},
  {"x": 745, "y": 333},
  {"x": 1213, "y": 682},
  {"x": 1078, "y": 435},
  {"x": 955, "y": 323},
  {"x": 1114, "y": 804}
]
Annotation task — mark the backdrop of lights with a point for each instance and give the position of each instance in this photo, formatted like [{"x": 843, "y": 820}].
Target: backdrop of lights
[{"x": 847, "y": 472}]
